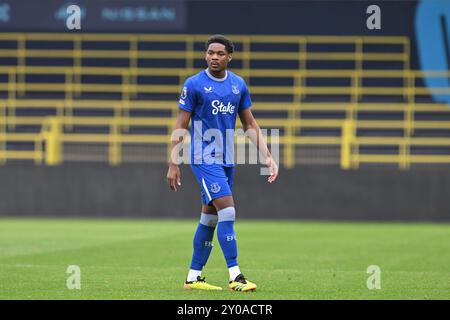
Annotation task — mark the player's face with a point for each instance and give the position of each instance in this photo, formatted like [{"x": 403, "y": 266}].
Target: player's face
[{"x": 217, "y": 57}]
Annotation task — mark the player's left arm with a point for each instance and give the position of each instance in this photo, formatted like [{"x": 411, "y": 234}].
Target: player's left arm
[{"x": 253, "y": 130}]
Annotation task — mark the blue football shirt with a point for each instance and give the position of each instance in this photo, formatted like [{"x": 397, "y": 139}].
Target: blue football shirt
[{"x": 214, "y": 104}]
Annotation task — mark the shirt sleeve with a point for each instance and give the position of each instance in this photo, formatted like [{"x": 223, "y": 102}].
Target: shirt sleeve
[
  {"x": 246, "y": 101},
  {"x": 188, "y": 98}
]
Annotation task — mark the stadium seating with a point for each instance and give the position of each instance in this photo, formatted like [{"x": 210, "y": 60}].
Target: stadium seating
[{"x": 342, "y": 100}]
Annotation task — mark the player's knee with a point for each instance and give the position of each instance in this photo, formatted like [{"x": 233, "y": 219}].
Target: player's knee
[
  {"x": 209, "y": 220},
  {"x": 226, "y": 214}
]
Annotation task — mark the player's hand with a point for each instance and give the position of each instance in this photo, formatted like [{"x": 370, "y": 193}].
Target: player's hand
[
  {"x": 174, "y": 177},
  {"x": 273, "y": 169}
]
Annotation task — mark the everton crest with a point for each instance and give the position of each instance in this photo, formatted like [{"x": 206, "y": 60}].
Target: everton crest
[{"x": 215, "y": 187}]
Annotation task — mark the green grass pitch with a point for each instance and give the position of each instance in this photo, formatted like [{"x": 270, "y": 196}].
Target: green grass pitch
[{"x": 149, "y": 259}]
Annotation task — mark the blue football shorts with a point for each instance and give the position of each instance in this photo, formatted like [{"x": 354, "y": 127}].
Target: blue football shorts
[{"x": 215, "y": 181}]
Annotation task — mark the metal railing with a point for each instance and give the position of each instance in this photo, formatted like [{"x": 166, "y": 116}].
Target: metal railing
[
  {"x": 57, "y": 130},
  {"x": 53, "y": 134}
]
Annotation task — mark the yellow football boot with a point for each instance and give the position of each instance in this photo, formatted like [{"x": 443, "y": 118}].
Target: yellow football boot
[
  {"x": 200, "y": 284},
  {"x": 241, "y": 284}
]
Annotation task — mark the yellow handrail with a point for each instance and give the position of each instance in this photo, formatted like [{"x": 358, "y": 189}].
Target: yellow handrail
[
  {"x": 51, "y": 134},
  {"x": 348, "y": 137}
]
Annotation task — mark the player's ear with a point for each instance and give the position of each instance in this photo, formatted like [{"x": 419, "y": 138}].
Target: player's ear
[{"x": 230, "y": 57}]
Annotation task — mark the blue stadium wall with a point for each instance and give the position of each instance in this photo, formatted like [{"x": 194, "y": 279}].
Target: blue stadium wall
[{"x": 306, "y": 17}]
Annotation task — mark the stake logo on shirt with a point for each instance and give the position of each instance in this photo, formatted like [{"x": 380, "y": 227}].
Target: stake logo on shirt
[{"x": 218, "y": 106}]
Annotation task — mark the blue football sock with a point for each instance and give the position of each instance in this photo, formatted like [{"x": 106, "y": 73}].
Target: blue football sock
[
  {"x": 203, "y": 241},
  {"x": 226, "y": 235}
]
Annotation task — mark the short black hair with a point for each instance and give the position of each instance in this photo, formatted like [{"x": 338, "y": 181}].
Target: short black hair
[{"x": 218, "y": 38}]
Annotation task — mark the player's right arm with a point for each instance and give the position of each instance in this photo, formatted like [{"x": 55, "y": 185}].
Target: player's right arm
[
  {"x": 180, "y": 131},
  {"x": 186, "y": 105}
]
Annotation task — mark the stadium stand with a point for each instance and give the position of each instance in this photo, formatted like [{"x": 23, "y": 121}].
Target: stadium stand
[{"x": 341, "y": 100}]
